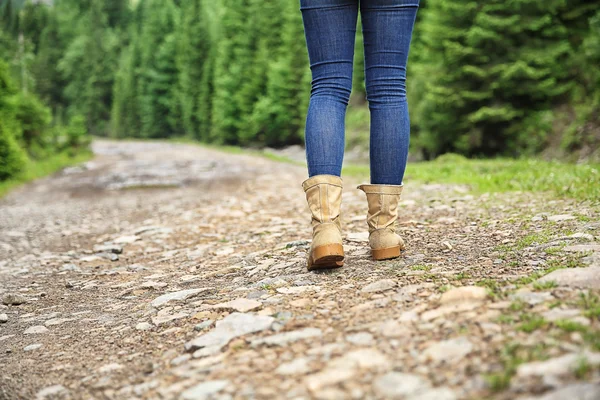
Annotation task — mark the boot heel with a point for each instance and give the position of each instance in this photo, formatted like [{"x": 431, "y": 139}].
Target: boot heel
[
  {"x": 387, "y": 253},
  {"x": 327, "y": 256}
]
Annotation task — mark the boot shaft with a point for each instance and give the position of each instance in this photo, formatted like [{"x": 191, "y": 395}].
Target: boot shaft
[
  {"x": 324, "y": 197},
  {"x": 383, "y": 205}
]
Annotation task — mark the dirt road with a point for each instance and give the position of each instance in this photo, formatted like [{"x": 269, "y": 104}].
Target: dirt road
[{"x": 171, "y": 271}]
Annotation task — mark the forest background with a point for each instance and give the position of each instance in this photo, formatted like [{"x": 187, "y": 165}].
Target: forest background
[{"x": 501, "y": 78}]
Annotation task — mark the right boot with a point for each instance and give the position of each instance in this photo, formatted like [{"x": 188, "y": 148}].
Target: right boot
[
  {"x": 381, "y": 218},
  {"x": 324, "y": 197}
]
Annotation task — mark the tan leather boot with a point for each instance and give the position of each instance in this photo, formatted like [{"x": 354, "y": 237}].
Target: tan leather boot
[
  {"x": 324, "y": 196},
  {"x": 382, "y": 216}
]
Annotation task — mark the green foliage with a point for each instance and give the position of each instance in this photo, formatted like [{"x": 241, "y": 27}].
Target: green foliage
[{"x": 492, "y": 73}]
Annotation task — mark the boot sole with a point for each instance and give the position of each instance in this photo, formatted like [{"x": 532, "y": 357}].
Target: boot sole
[
  {"x": 327, "y": 256},
  {"x": 386, "y": 254}
]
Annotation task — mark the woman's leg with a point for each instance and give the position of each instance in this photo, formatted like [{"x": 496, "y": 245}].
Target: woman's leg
[
  {"x": 387, "y": 30},
  {"x": 330, "y": 29}
]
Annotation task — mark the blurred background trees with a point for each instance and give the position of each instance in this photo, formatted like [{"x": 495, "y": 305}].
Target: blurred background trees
[{"x": 508, "y": 78}]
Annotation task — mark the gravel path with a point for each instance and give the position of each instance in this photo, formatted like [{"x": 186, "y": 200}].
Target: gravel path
[{"x": 172, "y": 271}]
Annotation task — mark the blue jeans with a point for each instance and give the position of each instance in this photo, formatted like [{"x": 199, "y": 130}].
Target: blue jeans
[{"x": 330, "y": 30}]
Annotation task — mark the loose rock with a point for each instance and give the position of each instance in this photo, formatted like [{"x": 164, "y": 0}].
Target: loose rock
[{"x": 379, "y": 286}]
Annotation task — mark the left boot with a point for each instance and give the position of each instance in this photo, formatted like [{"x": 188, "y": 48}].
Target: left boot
[{"x": 381, "y": 218}]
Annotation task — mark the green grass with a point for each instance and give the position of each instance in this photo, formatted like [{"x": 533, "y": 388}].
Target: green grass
[
  {"x": 544, "y": 285},
  {"x": 580, "y": 181},
  {"x": 511, "y": 356},
  {"x": 38, "y": 169},
  {"x": 531, "y": 322}
]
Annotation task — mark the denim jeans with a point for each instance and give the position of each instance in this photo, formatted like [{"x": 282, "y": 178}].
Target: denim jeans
[{"x": 330, "y": 29}]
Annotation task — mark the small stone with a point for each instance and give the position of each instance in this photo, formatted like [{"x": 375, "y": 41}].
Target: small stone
[
  {"x": 36, "y": 330},
  {"x": 574, "y": 391},
  {"x": 582, "y": 248},
  {"x": 52, "y": 392},
  {"x": 3, "y": 318},
  {"x": 396, "y": 385},
  {"x": 449, "y": 351},
  {"x": 329, "y": 377},
  {"x": 556, "y": 314},
  {"x": 204, "y": 325},
  {"x": 555, "y": 367},
  {"x": 464, "y": 294},
  {"x": 358, "y": 237},
  {"x": 367, "y": 358},
  {"x": 204, "y": 390},
  {"x": 584, "y": 278},
  {"x": 164, "y": 319},
  {"x": 57, "y": 321},
  {"x": 230, "y": 327},
  {"x": 560, "y": 218},
  {"x": 284, "y": 338},
  {"x": 180, "y": 295},
  {"x": 126, "y": 239},
  {"x": 32, "y": 347},
  {"x": 108, "y": 368},
  {"x": 69, "y": 267},
  {"x": 240, "y": 305},
  {"x": 393, "y": 329},
  {"x": 108, "y": 248},
  {"x": 181, "y": 359},
  {"x": 13, "y": 299},
  {"x": 532, "y": 298},
  {"x": 299, "y": 366},
  {"x": 153, "y": 285},
  {"x": 360, "y": 339},
  {"x": 298, "y": 289},
  {"x": 379, "y": 286},
  {"x": 300, "y": 303},
  {"x": 442, "y": 393},
  {"x": 144, "y": 326}
]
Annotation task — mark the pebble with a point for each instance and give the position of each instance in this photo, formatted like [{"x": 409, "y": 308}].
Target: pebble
[
  {"x": 584, "y": 278},
  {"x": 449, "y": 351},
  {"x": 582, "y": 248},
  {"x": 358, "y": 237},
  {"x": 397, "y": 385},
  {"x": 3, "y": 318},
  {"x": 32, "y": 347},
  {"x": 13, "y": 299},
  {"x": 532, "y": 298},
  {"x": 368, "y": 358},
  {"x": 300, "y": 303},
  {"x": 379, "y": 286},
  {"x": 574, "y": 391},
  {"x": 52, "y": 392},
  {"x": 165, "y": 319},
  {"x": 360, "y": 339},
  {"x": 108, "y": 368},
  {"x": 143, "y": 326},
  {"x": 299, "y": 366},
  {"x": 554, "y": 367},
  {"x": 561, "y": 217},
  {"x": 464, "y": 294},
  {"x": 204, "y": 325},
  {"x": 298, "y": 289},
  {"x": 556, "y": 314},
  {"x": 108, "y": 248},
  {"x": 204, "y": 390},
  {"x": 230, "y": 327},
  {"x": 57, "y": 321},
  {"x": 35, "y": 330},
  {"x": 240, "y": 305},
  {"x": 285, "y": 338},
  {"x": 180, "y": 295}
]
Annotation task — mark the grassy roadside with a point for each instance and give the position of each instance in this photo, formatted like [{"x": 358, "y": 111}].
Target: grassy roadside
[
  {"x": 579, "y": 181},
  {"x": 38, "y": 169}
]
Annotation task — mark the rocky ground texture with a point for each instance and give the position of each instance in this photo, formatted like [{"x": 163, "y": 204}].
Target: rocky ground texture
[{"x": 172, "y": 271}]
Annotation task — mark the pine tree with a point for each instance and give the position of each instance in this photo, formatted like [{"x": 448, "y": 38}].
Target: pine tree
[
  {"x": 279, "y": 115},
  {"x": 488, "y": 66},
  {"x": 12, "y": 157},
  {"x": 231, "y": 71},
  {"x": 158, "y": 72},
  {"x": 192, "y": 52}
]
